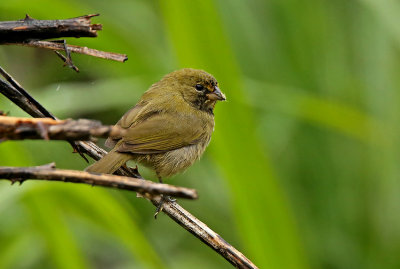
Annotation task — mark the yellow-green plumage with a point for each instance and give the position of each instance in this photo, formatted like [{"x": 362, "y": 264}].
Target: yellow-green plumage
[{"x": 169, "y": 128}]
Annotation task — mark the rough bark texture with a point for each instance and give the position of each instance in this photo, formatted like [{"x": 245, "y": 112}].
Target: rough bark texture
[
  {"x": 12, "y": 128},
  {"x": 48, "y": 172},
  {"x": 32, "y": 29},
  {"x": 72, "y": 48},
  {"x": 31, "y": 33}
]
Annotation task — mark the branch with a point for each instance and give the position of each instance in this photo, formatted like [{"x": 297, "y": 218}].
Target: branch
[
  {"x": 205, "y": 234},
  {"x": 14, "y": 91},
  {"x": 48, "y": 172},
  {"x": 19, "y": 96},
  {"x": 52, "y": 45},
  {"x": 29, "y": 32},
  {"x": 19, "y": 99},
  {"x": 29, "y": 28},
  {"x": 12, "y": 128}
]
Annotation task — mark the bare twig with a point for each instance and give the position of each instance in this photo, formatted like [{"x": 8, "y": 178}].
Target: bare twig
[
  {"x": 14, "y": 91},
  {"x": 32, "y": 29},
  {"x": 48, "y": 172},
  {"x": 205, "y": 234},
  {"x": 76, "y": 49},
  {"x": 13, "y": 128},
  {"x": 10, "y": 93},
  {"x": 67, "y": 61},
  {"x": 29, "y": 32},
  {"x": 19, "y": 99}
]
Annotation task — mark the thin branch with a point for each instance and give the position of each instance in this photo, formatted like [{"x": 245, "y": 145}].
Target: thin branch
[
  {"x": 16, "y": 85},
  {"x": 19, "y": 96},
  {"x": 67, "y": 61},
  {"x": 29, "y": 32},
  {"x": 20, "y": 99},
  {"x": 205, "y": 234},
  {"x": 29, "y": 28},
  {"x": 13, "y": 128},
  {"x": 48, "y": 172},
  {"x": 72, "y": 48}
]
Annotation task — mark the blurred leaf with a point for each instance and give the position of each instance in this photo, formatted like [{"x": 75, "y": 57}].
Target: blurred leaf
[
  {"x": 10, "y": 257},
  {"x": 60, "y": 242},
  {"x": 112, "y": 215},
  {"x": 306, "y": 106}
]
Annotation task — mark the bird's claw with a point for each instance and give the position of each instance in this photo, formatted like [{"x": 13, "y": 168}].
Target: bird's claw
[{"x": 163, "y": 200}]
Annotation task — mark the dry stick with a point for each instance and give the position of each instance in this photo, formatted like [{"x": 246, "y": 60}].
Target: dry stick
[
  {"x": 48, "y": 172},
  {"x": 76, "y": 49},
  {"x": 67, "y": 61},
  {"x": 21, "y": 96},
  {"x": 172, "y": 209},
  {"x": 14, "y": 91},
  {"x": 29, "y": 32},
  {"x": 20, "y": 100},
  {"x": 29, "y": 29},
  {"x": 13, "y": 128}
]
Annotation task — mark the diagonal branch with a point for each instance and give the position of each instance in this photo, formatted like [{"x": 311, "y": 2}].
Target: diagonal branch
[
  {"x": 48, "y": 172},
  {"x": 13, "y": 128},
  {"x": 14, "y": 91},
  {"x": 20, "y": 99}
]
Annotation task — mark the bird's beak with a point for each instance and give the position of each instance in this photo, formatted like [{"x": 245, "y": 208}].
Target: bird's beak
[{"x": 216, "y": 95}]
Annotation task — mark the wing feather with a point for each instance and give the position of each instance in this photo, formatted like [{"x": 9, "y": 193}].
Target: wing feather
[{"x": 161, "y": 133}]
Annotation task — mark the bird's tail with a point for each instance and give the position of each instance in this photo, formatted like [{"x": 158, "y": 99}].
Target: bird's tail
[{"x": 109, "y": 163}]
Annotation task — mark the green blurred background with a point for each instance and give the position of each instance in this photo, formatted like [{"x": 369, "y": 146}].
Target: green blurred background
[{"x": 303, "y": 167}]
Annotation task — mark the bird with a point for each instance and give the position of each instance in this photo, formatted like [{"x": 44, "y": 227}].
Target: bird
[{"x": 170, "y": 126}]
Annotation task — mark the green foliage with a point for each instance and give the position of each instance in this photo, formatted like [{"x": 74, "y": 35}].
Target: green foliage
[{"x": 302, "y": 170}]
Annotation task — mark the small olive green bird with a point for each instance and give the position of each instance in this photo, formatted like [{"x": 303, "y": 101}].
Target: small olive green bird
[{"x": 169, "y": 128}]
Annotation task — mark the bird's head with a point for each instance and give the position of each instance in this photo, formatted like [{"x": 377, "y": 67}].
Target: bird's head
[{"x": 197, "y": 87}]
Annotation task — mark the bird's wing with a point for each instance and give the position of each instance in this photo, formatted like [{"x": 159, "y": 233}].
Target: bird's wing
[
  {"x": 161, "y": 133},
  {"x": 125, "y": 122}
]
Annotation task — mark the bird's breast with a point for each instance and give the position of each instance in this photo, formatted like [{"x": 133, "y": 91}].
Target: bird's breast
[{"x": 178, "y": 160}]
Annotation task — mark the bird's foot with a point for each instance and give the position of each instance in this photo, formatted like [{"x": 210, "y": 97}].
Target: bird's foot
[{"x": 163, "y": 200}]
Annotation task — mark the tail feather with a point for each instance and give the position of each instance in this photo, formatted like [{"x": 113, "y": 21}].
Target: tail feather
[{"x": 109, "y": 163}]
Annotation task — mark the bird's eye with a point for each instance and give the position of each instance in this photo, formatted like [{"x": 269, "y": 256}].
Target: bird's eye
[{"x": 199, "y": 87}]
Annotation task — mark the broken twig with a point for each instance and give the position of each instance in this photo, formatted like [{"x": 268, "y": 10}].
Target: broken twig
[
  {"x": 32, "y": 29},
  {"x": 76, "y": 49},
  {"x": 13, "y": 128},
  {"x": 30, "y": 32}
]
